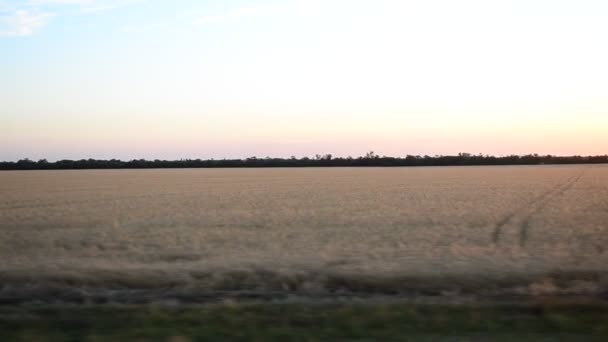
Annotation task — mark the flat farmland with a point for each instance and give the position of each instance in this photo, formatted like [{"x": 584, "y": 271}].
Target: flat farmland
[{"x": 204, "y": 234}]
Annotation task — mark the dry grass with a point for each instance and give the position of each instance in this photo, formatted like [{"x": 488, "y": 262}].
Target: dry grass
[{"x": 314, "y": 229}]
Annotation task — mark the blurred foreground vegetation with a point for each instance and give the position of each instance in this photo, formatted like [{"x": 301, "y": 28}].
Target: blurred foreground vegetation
[{"x": 309, "y": 322}]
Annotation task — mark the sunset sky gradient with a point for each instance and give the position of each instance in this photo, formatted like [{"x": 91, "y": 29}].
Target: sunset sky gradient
[{"x": 223, "y": 79}]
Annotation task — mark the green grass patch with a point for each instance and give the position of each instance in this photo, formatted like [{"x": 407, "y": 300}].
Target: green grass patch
[{"x": 307, "y": 322}]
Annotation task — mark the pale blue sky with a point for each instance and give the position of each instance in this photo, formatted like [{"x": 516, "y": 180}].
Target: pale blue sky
[{"x": 189, "y": 79}]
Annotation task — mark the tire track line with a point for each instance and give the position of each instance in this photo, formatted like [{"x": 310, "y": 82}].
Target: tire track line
[
  {"x": 531, "y": 208},
  {"x": 525, "y": 224},
  {"x": 498, "y": 228}
]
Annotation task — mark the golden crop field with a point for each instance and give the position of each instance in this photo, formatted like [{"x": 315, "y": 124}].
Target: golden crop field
[{"x": 311, "y": 231}]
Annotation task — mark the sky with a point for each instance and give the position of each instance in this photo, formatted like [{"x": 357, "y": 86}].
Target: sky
[{"x": 232, "y": 79}]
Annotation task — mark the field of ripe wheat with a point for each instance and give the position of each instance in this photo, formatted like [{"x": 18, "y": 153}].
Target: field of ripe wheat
[{"x": 196, "y": 234}]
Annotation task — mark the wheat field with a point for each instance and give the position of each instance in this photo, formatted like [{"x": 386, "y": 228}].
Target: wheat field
[{"x": 141, "y": 235}]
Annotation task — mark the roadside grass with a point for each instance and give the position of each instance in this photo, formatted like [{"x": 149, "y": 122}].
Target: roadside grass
[{"x": 307, "y": 322}]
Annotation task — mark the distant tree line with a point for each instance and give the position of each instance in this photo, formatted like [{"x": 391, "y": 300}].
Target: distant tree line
[{"x": 370, "y": 159}]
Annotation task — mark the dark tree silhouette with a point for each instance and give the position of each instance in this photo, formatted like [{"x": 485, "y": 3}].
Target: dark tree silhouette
[{"x": 370, "y": 159}]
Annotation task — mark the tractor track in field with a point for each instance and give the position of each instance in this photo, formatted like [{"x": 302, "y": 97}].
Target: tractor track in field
[{"x": 526, "y": 212}]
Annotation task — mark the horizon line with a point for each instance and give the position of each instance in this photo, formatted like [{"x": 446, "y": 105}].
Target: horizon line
[{"x": 370, "y": 154}]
